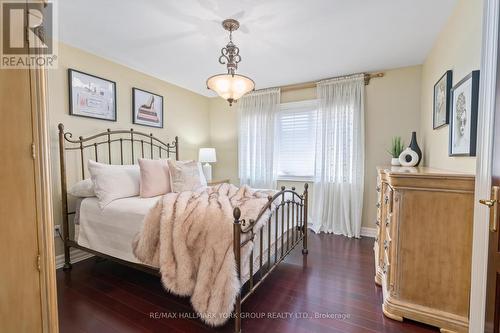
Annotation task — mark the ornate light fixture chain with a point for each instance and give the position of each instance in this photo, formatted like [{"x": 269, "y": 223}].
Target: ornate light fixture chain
[
  {"x": 230, "y": 86},
  {"x": 230, "y": 55}
]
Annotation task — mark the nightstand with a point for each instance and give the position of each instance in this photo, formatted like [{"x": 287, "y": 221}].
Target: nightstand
[{"x": 217, "y": 182}]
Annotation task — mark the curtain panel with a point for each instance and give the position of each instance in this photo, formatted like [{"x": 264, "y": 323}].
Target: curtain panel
[
  {"x": 339, "y": 161},
  {"x": 257, "y": 112}
]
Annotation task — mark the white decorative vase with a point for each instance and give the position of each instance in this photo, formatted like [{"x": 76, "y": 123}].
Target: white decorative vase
[
  {"x": 408, "y": 158},
  {"x": 395, "y": 161}
]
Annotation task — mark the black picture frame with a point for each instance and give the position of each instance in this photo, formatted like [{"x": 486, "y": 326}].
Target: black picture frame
[
  {"x": 135, "y": 111},
  {"x": 474, "y": 94},
  {"x": 447, "y": 79},
  {"x": 75, "y": 113}
]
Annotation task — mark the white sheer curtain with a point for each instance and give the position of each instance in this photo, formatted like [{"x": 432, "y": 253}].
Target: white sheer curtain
[
  {"x": 339, "y": 167},
  {"x": 257, "y": 111}
]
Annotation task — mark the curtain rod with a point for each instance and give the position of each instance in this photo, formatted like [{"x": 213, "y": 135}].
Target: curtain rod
[{"x": 312, "y": 84}]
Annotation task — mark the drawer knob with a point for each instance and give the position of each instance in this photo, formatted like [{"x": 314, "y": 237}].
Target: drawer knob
[{"x": 378, "y": 205}]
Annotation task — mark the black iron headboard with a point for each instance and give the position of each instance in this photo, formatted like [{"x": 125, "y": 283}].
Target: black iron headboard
[{"x": 100, "y": 147}]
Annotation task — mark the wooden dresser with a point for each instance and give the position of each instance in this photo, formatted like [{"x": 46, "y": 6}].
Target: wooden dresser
[{"x": 424, "y": 245}]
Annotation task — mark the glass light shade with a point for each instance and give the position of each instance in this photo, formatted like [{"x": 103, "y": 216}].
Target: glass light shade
[
  {"x": 230, "y": 87},
  {"x": 207, "y": 155}
]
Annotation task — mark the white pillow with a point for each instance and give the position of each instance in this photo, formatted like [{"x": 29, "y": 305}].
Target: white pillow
[
  {"x": 83, "y": 189},
  {"x": 113, "y": 182},
  {"x": 186, "y": 176}
]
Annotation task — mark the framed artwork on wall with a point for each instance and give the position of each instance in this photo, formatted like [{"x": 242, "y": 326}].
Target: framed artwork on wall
[
  {"x": 463, "y": 117},
  {"x": 91, "y": 96},
  {"x": 147, "y": 108},
  {"x": 441, "y": 106}
]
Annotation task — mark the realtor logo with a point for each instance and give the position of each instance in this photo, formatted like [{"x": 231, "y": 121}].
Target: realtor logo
[{"x": 27, "y": 35}]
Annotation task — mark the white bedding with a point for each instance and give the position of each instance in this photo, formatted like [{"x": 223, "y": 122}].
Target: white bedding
[{"x": 111, "y": 230}]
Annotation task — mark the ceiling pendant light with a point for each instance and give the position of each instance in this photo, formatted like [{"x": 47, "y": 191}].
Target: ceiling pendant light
[{"x": 230, "y": 86}]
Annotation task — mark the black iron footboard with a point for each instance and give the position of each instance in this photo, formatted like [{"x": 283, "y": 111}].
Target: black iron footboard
[{"x": 289, "y": 230}]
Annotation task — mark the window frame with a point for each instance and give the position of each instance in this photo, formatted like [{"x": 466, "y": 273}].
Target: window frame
[{"x": 290, "y": 106}]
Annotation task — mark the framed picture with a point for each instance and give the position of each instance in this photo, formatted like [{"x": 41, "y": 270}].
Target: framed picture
[
  {"x": 91, "y": 96},
  {"x": 441, "y": 108},
  {"x": 463, "y": 117},
  {"x": 147, "y": 108}
]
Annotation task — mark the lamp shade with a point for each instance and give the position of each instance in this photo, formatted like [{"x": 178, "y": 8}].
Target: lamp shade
[
  {"x": 230, "y": 86},
  {"x": 207, "y": 155}
]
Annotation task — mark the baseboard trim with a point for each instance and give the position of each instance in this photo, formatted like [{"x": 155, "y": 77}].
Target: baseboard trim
[
  {"x": 76, "y": 256},
  {"x": 369, "y": 232}
]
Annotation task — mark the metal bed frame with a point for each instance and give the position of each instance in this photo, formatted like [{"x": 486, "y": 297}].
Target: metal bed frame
[{"x": 146, "y": 145}]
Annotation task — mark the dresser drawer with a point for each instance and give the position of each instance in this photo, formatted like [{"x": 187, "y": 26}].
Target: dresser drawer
[{"x": 418, "y": 212}]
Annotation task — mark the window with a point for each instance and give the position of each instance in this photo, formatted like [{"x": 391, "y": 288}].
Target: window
[{"x": 295, "y": 140}]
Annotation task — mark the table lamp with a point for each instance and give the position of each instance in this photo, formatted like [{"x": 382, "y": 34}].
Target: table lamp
[{"x": 207, "y": 156}]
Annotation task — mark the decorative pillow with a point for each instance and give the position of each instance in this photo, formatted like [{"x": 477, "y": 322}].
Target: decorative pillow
[
  {"x": 83, "y": 189},
  {"x": 186, "y": 176},
  {"x": 155, "y": 177},
  {"x": 113, "y": 182}
]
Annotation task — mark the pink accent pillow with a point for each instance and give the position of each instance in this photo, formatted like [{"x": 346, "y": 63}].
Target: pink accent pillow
[{"x": 155, "y": 177}]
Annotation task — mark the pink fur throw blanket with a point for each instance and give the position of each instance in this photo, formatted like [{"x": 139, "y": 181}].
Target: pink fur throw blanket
[{"x": 189, "y": 236}]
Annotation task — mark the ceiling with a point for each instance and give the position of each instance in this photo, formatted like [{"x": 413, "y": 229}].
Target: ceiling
[{"x": 281, "y": 41}]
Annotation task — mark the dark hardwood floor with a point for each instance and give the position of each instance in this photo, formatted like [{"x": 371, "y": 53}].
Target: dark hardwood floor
[{"x": 335, "y": 282}]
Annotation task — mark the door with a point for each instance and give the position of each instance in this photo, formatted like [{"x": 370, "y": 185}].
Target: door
[
  {"x": 492, "y": 318},
  {"x": 20, "y": 284},
  {"x": 27, "y": 284},
  {"x": 20, "y": 294}
]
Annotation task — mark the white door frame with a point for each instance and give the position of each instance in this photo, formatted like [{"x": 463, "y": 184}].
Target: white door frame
[{"x": 487, "y": 104}]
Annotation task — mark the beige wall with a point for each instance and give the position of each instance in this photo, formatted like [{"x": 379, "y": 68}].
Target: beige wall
[
  {"x": 392, "y": 108},
  {"x": 224, "y": 137},
  {"x": 458, "y": 47},
  {"x": 185, "y": 112}
]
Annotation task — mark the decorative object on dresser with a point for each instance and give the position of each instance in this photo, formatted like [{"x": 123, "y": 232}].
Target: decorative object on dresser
[
  {"x": 397, "y": 147},
  {"x": 463, "y": 123},
  {"x": 414, "y": 146},
  {"x": 147, "y": 108},
  {"x": 207, "y": 156},
  {"x": 91, "y": 96},
  {"x": 441, "y": 106},
  {"x": 425, "y": 273},
  {"x": 230, "y": 86},
  {"x": 408, "y": 158}
]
